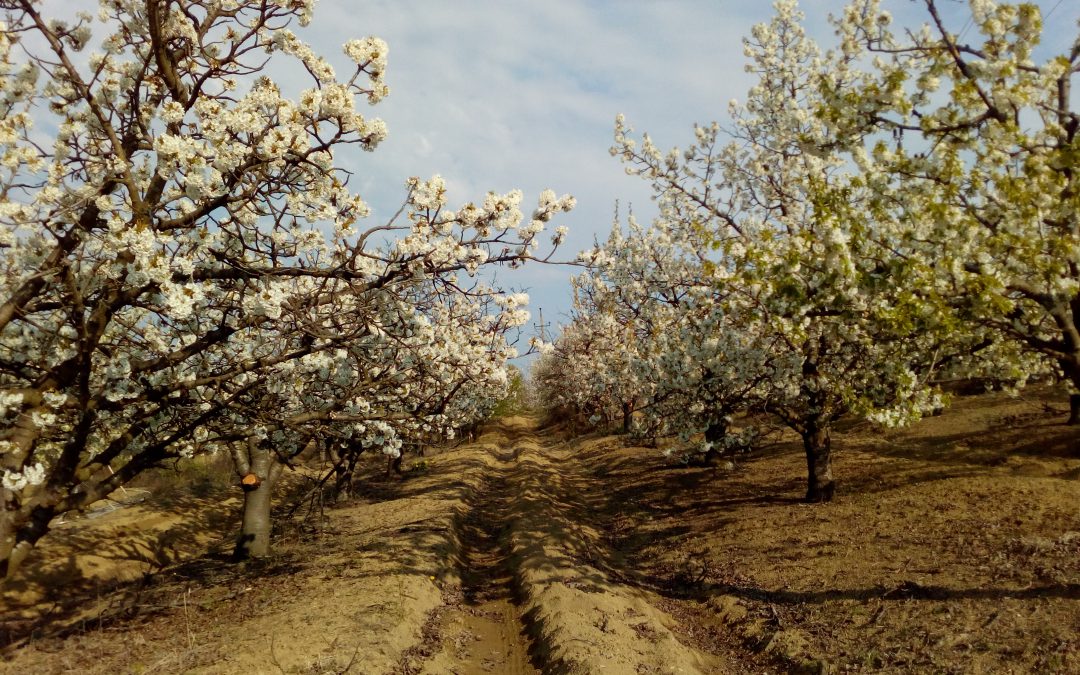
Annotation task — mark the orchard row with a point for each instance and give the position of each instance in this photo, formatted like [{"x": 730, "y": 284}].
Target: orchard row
[
  {"x": 900, "y": 209},
  {"x": 182, "y": 271}
]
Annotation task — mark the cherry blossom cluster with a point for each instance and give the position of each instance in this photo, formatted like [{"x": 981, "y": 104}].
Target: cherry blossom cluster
[{"x": 969, "y": 143}]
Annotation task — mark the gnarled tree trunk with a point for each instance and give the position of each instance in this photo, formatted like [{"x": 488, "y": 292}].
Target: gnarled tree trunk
[{"x": 260, "y": 472}]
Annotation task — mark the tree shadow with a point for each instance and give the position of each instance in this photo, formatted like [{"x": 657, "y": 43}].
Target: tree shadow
[
  {"x": 85, "y": 568},
  {"x": 907, "y": 590}
]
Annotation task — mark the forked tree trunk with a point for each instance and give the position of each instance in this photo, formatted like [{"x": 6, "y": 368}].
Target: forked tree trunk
[
  {"x": 818, "y": 446},
  {"x": 260, "y": 473},
  {"x": 345, "y": 470}
]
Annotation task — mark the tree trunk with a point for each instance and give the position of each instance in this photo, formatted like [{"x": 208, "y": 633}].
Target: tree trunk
[
  {"x": 393, "y": 464},
  {"x": 627, "y": 416},
  {"x": 17, "y": 538},
  {"x": 254, "y": 539},
  {"x": 260, "y": 475},
  {"x": 714, "y": 435},
  {"x": 1070, "y": 366},
  {"x": 818, "y": 446},
  {"x": 343, "y": 474}
]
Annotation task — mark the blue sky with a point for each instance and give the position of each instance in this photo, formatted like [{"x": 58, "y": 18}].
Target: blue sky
[{"x": 496, "y": 96}]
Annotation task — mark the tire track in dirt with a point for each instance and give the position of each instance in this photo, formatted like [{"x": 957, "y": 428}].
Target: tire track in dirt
[
  {"x": 481, "y": 628},
  {"x": 582, "y": 608}
]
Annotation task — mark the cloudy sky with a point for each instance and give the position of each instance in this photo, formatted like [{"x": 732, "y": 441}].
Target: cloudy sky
[{"x": 501, "y": 95}]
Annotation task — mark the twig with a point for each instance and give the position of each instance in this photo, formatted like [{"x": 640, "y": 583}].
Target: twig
[
  {"x": 352, "y": 661},
  {"x": 273, "y": 656}
]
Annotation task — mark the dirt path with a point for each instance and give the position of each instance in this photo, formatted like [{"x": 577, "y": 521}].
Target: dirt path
[
  {"x": 589, "y": 611},
  {"x": 490, "y": 560},
  {"x": 537, "y": 588},
  {"x": 541, "y": 590},
  {"x": 955, "y": 547},
  {"x": 482, "y": 629}
]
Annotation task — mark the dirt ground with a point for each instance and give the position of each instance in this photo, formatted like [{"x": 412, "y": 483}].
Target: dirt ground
[{"x": 952, "y": 547}]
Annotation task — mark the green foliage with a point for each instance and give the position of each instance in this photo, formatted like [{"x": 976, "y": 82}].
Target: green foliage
[{"x": 514, "y": 403}]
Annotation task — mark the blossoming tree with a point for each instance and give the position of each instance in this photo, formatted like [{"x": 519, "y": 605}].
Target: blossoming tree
[
  {"x": 181, "y": 266},
  {"x": 972, "y": 147},
  {"x": 822, "y": 288},
  {"x": 678, "y": 352}
]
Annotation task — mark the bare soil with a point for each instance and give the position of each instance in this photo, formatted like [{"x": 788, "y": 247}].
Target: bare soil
[{"x": 952, "y": 547}]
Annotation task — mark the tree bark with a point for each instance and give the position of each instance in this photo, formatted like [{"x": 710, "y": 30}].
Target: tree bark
[
  {"x": 820, "y": 484},
  {"x": 714, "y": 435},
  {"x": 627, "y": 416},
  {"x": 1070, "y": 366},
  {"x": 254, "y": 538},
  {"x": 17, "y": 539}
]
